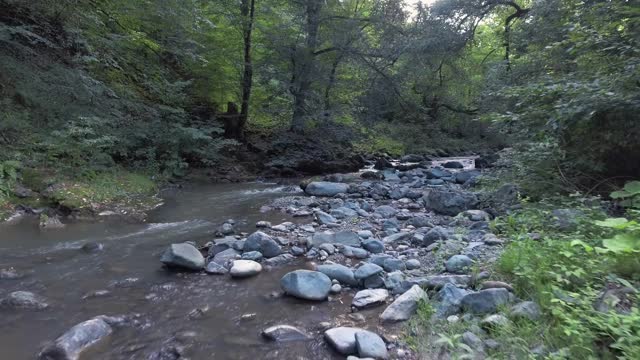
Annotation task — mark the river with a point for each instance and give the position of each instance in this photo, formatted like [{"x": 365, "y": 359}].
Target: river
[{"x": 58, "y": 265}]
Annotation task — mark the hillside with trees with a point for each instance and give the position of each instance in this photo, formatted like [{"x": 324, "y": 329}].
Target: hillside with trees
[{"x": 105, "y": 102}]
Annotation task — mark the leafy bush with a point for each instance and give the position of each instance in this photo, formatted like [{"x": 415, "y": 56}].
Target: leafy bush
[
  {"x": 8, "y": 177},
  {"x": 569, "y": 274},
  {"x": 629, "y": 196}
]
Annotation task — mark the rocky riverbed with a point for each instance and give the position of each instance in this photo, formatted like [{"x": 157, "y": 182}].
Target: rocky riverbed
[{"x": 372, "y": 245}]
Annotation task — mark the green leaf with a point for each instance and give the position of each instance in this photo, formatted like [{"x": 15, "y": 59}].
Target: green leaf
[
  {"x": 620, "y": 194},
  {"x": 587, "y": 247},
  {"x": 632, "y": 187},
  {"x": 615, "y": 223},
  {"x": 622, "y": 243}
]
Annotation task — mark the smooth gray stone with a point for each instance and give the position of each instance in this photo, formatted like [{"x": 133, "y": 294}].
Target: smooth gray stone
[
  {"x": 306, "y": 284},
  {"x": 184, "y": 256},
  {"x": 72, "y": 343}
]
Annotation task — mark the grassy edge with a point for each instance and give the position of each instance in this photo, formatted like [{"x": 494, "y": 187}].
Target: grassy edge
[{"x": 559, "y": 269}]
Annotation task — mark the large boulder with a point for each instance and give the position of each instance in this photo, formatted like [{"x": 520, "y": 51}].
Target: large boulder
[
  {"x": 448, "y": 202},
  {"x": 339, "y": 272},
  {"x": 71, "y": 344},
  {"x": 306, "y": 284},
  {"x": 370, "y": 345},
  {"x": 449, "y": 299},
  {"x": 183, "y": 255},
  {"x": 486, "y": 301},
  {"x": 324, "y": 188},
  {"x": 405, "y": 305},
  {"x": 265, "y": 244},
  {"x": 343, "y": 339}
]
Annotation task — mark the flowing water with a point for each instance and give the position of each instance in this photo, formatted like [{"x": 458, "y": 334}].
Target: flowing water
[{"x": 55, "y": 265}]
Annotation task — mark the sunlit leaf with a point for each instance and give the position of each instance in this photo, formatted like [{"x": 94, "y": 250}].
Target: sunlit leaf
[
  {"x": 615, "y": 223},
  {"x": 623, "y": 243}
]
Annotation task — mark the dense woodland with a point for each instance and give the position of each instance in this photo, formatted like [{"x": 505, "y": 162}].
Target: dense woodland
[
  {"x": 162, "y": 86},
  {"x": 148, "y": 92}
]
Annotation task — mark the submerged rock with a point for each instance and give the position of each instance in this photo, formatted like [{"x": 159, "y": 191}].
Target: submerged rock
[
  {"x": 71, "y": 344},
  {"x": 24, "y": 300},
  {"x": 306, "y": 284},
  {"x": 284, "y": 333},
  {"x": 324, "y": 188},
  {"x": 183, "y": 255}
]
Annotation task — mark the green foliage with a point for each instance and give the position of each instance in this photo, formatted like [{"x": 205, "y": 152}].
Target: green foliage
[
  {"x": 572, "y": 87},
  {"x": 9, "y": 175},
  {"x": 567, "y": 273},
  {"x": 117, "y": 186},
  {"x": 629, "y": 196}
]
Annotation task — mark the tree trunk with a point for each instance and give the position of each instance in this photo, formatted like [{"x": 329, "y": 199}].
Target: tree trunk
[
  {"x": 247, "y": 10},
  {"x": 332, "y": 80},
  {"x": 305, "y": 64}
]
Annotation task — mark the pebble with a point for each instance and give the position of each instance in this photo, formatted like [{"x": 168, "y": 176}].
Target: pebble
[{"x": 245, "y": 268}]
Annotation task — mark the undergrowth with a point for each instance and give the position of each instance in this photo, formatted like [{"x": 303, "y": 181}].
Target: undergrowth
[
  {"x": 578, "y": 263},
  {"x": 584, "y": 274}
]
